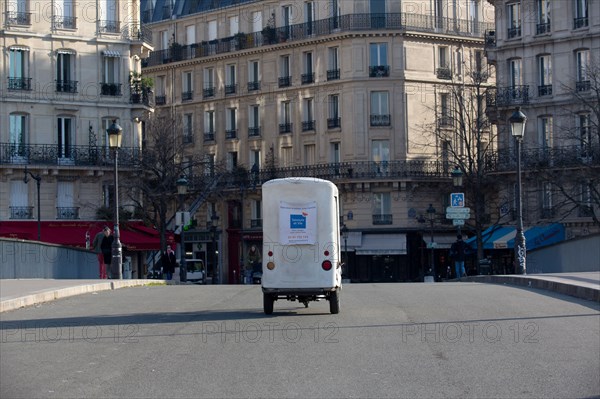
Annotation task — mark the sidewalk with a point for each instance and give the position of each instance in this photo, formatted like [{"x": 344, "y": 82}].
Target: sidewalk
[
  {"x": 15, "y": 294},
  {"x": 584, "y": 285}
]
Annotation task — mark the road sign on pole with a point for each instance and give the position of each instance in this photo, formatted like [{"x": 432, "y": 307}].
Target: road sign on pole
[
  {"x": 458, "y": 213},
  {"x": 457, "y": 200},
  {"x": 458, "y": 222}
]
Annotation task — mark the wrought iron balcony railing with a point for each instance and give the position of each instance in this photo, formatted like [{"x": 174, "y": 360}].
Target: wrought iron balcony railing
[
  {"x": 231, "y": 134},
  {"x": 187, "y": 96},
  {"x": 307, "y": 78},
  {"x": 334, "y": 25},
  {"x": 544, "y": 90},
  {"x": 514, "y": 32},
  {"x": 18, "y": 18},
  {"x": 285, "y": 81},
  {"x": 66, "y": 86},
  {"x": 333, "y": 74},
  {"x": 542, "y": 28},
  {"x": 62, "y": 22},
  {"x": 208, "y": 92},
  {"x": 583, "y": 85},
  {"x": 209, "y": 136},
  {"x": 230, "y": 88},
  {"x": 508, "y": 96},
  {"x": 380, "y": 120},
  {"x": 107, "y": 26},
  {"x": 21, "y": 212},
  {"x": 580, "y": 22},
  {"x": 443, "y": 73},
  {"x": 285, "y": 128},
  {"x": 383, "y": 219},
  {"x": 333, "y": 123},
  {"x": 188, "y": 138},
  {"x": 19, "y": 84},
  {"x": 254, "y": 131},
  {"x": 379, "y": 71},
  {"x": 253, "y": 86},
  {"x": 67, "y": 212},
  {"x": 142, "y": 97},
  {"x": 110, "y": 89},
  {"x": 308, "y": 125},
  {"x": 490, "y": 38}
]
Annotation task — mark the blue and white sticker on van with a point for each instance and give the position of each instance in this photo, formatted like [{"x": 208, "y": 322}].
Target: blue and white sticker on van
[{"x": 298, "y": 223}]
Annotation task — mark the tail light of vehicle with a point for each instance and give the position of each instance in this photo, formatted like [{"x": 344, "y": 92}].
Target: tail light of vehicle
[
  {"x": 326, "y": 265},
  {"x": 271, "y": 265}
]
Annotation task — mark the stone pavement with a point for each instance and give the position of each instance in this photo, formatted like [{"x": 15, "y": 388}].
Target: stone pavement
[{"x": 18, "y": 293}]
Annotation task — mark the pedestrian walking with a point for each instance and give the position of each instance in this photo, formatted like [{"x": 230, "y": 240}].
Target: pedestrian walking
[
  {"x": 168, "y": 261},
  {"x": 458, "y": 251},
  {"x": 102, "y": 246}
]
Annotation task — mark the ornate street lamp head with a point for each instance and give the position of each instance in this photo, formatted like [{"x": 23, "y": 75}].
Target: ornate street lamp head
[
  {"x": 457, "y": 176},
  {"x": 517, "y": 123},
  {"x": 115, "y": 135}
]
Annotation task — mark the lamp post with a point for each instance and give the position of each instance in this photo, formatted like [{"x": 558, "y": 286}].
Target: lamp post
[
  {"x": 457, "y": 181},
  {"x": 115, "y": 135},
  {"x": 213, "y": 229},
  {"x": 37, "y": 179},
  {"x": 517, "y": 129},
  {"x": 182, "y": 186},
  {"x": 345, "y": 236},
  {"x": 431, "y": 214}
]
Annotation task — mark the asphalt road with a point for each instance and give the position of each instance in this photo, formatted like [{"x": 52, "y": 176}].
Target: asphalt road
[{"x": 389, "y": 341}]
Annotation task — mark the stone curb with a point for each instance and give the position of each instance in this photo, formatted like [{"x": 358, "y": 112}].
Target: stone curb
[
  {"x": 53, "y": 294},
  {"x": 578, "y": 291}
]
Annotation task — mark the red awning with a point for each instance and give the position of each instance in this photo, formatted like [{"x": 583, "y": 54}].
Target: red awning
[{"x": 133, "y": 235}]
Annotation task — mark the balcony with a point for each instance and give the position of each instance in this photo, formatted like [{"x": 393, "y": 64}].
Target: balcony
[
  {"x": 513, "y": 32},
  {"x": 208, "y": 92},
  {"x": 445, "y": 122},
  {"x": 443, "y": 73},
  {"x": 110, "y": 89},
  {"x": 580, "y": 22},
  {"x": 188, "y": 138},
  {"x": 333, "y": 123},
  {"x": 66, "y": 86},
  {"x": 70, "y": 213},
  {"x": 254, "y": 131},
  {"x": 230, "y": 134},
  {"x": 285, "y": 81},
  {"x": 230, "y": 88},
  {"x": 583, "y": 85},
  {"x": 253, "y": 86},
  {"x": 380, "y": 120},
  {"x": 21, "y": 212},
  {"x": 19, "y": 84},
  {"x": 542, "y": 28},
  {"x": 544, "y": 90},
  {"x": 508, "y": 96},
  {"x": 62, "y": 22},
  {"x": 379, "y": 71},
  {"x": 333, "y": 74},
  {"x": 490, "y": 39},
  {"x": 106, "y": 26},
  {"x": 142, "y": 97},
  {"x": 187, "y": 96},
  {"x": 209, "y": 136},
  {"x": 18, "y": 18},
  {"x": 383, "y": 219},
  {"x": 307, "y": 78},
  {"x": 395, "y": 22},
  {"x": 285, "y": 128},
  {"x": 308, "y": 126},
  {"x": 161, "y": 100}
]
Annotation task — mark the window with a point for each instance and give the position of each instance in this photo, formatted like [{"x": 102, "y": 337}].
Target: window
[
  {"x": 257, "y": 24},
  {"x": 230, "y": 79},
  {"x": 380, "y": 114},
  {"x": 459, "y": 62},
  {"x": 439, "y": 14},
  {"x": 380, "y": 155},
  {"x": 231, "y": 123},
  {"x": 111, "y": 85},
  {"x": 479, "y": 74},
  {"x": 544, "y": 75},
  {"x": 63, "y": 15},
  {"x": 65, "y": 71},
  {"x": 543, "y": 16},
  {"x": 335, "y": 149},
  {"x": 18, "y": 134},
  {"x": 545, "y": 132},
  {"x": 514, "y": 20},
  {"x": 445, "y": 118},
  {"x": 582, "y": 58},
  {"x": 19, "y": 200},
  {"x": 286, "y": 156},
  {"x": 309, "y": 15},
  {"x": 187, "y": 88},
  {"x": 209, "y": 83},
  {"x": 334, "y": 120},
  {"x": 309, "y": 154},
  {"x": 547, "y": 200},
  {"x": 308, "y": 121},
  {"x": 209, "y": 125},
  {"x": 514, "y": 72},
  {"x": 285, "y": 124},
  {"x": 232, "y": 160},
  {"x": 474, "y": 15},
  {"x": 18, "y": 69},
  {"x": 287, "y": 19},
  {"x": 65, "y": 136},
  {"x": 382, "y": 208},
  {"x": 581, "y": 14},
  {"x": 164, "y": 40},
  {"x": 308, "y": 76},
  {"x": 378, "y": 66},
  {"x": 212, "y": 30},
  {"x": 256, "y": 210},
  {"x": 584, "y": 132},
  {"x": 285, "y": 79},
  {"x": 333, "y": 72},
  {"x": 64, "y": 201},
  {"x": 585, "y": 208},
  {"x": 254, "y": 121},
  {"x": 188, "y": 128},
  {"x": 160, "y": 97},
  {"x": 109, "y": 20},
  {"x": 253, "y": 76},
  {"x": 17, "y": 13},
  {"x": 190, "y": 34},
  {"x": 443, "y": 69},
  {"x": 234, "y": 25}
]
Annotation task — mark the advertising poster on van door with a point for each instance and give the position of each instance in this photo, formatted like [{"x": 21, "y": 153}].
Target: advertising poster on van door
[{"x": 298, "y": 223}]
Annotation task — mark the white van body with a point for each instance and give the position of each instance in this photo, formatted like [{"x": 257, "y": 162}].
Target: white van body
[{"x": 301, "y": 242}]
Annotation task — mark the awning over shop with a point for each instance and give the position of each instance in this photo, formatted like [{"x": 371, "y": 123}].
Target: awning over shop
[
  {"x": 535, "y": 237},
  {"x": 382, "y": 244},
  {"x": 133, "y": 235}
]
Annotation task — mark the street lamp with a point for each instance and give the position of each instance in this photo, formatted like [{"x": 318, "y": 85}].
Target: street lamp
[
  {"x": 214, "y": 219},
  {"x": 37, "y": 179},
  {"x": 517, "y": 129},
  {"x": 182, "y": 186},
  {"x": 115, "y": 135},
  {"x": 345, "y": 236},
  {"x": 457, "y": 181},
  {"x": 431, "y": 214}
]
